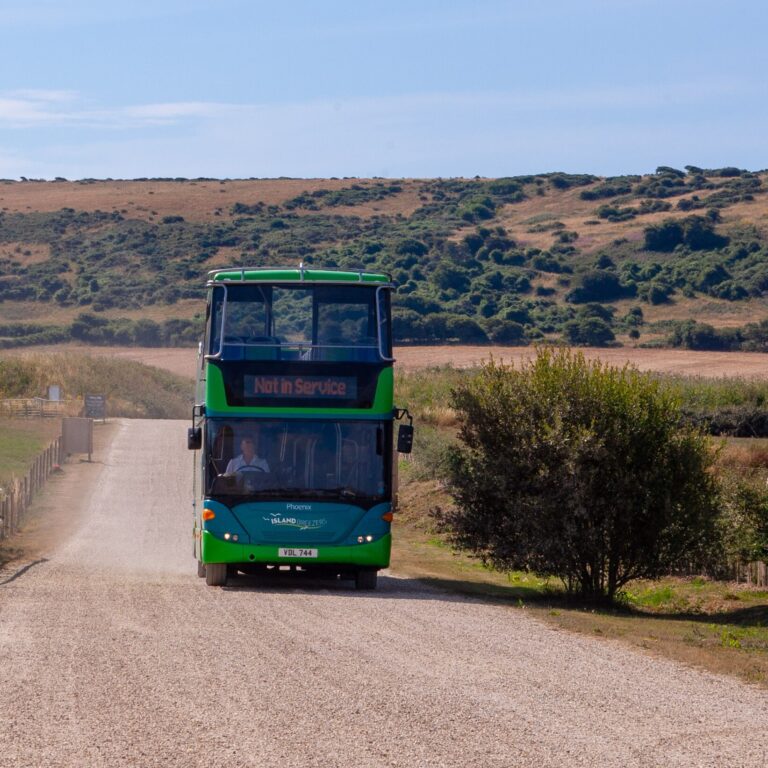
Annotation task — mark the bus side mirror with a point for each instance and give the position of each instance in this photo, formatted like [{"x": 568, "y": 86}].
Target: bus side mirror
[
  {"x": 195, "y": 438},
  {"x": 405, "y": 438}
]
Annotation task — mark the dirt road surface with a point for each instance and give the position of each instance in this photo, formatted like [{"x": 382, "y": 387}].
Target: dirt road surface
[{"x": 114, "y": 653}]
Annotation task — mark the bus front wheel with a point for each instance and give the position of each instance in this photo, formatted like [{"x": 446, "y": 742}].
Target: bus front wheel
[
  {"x": 366, "y": 579},
  {"x": 216, "y": 574}
]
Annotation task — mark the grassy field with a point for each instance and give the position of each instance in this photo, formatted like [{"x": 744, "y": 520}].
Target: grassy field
[{"x": 20, "y": 441}]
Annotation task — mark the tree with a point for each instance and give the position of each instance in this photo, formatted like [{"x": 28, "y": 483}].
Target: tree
[{"x": 574, "y": 469}]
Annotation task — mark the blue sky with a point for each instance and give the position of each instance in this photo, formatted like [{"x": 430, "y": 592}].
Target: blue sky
[{"x": 229, "y": 88}]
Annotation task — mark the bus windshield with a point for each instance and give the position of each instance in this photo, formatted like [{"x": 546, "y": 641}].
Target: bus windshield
[
  {"x": 264, "y": 459},
  {"x": 300, "y": 322}
]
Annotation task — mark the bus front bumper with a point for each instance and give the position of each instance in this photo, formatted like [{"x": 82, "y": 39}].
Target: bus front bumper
[{"x": 373, "y": 555}]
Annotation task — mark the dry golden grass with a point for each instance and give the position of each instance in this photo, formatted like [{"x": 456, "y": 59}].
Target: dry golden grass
[
  {"x": 181, "y": 361},
  {"x": 194, "y": 200},
  {"x": 131, "y": 389},
  {"x": 568, "y": 208}
]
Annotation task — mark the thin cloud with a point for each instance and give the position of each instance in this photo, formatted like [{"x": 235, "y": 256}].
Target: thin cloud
[{"x": 30, "y": 108}]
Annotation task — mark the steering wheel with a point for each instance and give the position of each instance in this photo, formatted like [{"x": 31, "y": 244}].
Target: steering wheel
[{"x": 250, "y": 468}]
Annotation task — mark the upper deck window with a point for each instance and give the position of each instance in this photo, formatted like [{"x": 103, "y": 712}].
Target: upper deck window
[{"x": 300, "y": 322}]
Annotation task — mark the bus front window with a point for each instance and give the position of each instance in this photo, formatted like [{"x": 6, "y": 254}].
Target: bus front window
[
  {"x": 344, "y": 461},
  {"x": 301, "y": 322}
]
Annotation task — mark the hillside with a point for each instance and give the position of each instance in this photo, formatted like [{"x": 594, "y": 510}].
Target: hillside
[
  {"x": 631, "y": 259},
  {"x": 131, "y": 388}
]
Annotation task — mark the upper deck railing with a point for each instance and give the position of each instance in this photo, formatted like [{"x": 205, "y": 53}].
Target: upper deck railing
[{"x": 299, "y": 274}]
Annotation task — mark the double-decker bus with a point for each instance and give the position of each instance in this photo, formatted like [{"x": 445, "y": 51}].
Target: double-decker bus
[{"x": 292, "y": 426}]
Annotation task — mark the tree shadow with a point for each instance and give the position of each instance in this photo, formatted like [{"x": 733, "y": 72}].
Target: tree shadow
[{"x": 458, "y": 590}]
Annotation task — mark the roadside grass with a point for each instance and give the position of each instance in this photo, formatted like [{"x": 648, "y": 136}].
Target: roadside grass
[
  {"x": 20, "y": 441},
  {"x": 714, "y": 625}
]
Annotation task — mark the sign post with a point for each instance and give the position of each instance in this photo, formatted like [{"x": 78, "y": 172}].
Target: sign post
[{"x": 96, "y": 407}]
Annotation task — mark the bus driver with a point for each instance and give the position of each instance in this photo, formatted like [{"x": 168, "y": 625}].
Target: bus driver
[{"x": 247, "y": 460}]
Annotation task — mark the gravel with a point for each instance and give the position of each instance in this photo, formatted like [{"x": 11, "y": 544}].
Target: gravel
[{"x": 113, "y": 653}]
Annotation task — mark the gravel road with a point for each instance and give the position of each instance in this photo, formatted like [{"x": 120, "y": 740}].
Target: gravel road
[{"x": 113, "y": 653}]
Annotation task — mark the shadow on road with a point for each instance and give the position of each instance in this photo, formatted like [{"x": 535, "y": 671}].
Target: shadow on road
[
  {"x": 457, "y": 590},
  {"x": 389, "y": 587}
]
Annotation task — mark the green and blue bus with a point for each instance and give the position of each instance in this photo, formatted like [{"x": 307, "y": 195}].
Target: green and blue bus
[{"x": 292, "y": 428}]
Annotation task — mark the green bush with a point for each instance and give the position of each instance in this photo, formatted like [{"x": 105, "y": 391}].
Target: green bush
[
  {"x": 577, "y": 470},
  {"x": 598, "y": 285},
  {"x": 743, "y": 521},
  {"x": 588, "y": 332}
]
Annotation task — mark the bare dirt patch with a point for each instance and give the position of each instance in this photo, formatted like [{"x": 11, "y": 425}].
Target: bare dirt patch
[{"x": 25, "y": 253}]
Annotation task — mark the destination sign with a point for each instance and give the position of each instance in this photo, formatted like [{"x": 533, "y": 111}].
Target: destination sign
[{"x": 339, "y": 387}]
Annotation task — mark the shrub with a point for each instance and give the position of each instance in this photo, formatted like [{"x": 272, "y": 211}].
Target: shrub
[
  {"x": 693, "y": 335},
  {"x": 663, "y": 237},
  {"x": 697, "y": 232},
  {"x": 506, "y": 331},
  {"x": 588, "y": 332},
  {"x": 573, "y": 469},
  {"x": 598, "y": 285}
]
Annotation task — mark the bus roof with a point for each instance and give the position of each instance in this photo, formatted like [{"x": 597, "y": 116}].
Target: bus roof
[{"x": 300, "y": 274}]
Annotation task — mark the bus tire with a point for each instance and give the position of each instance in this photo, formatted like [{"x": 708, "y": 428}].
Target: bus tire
[
  {"x": 200, "y": 570},
  {"x": 366, "y": 580},
  {"x": 216, "y": 574}
]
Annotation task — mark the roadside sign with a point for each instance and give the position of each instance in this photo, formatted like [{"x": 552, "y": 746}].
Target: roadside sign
[
  {"x": 77, "y": 435},
  {"x": 96, "y": 407}
]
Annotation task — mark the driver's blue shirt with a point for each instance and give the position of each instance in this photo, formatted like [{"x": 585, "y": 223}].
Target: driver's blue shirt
[{"x": 239, "y": 462}]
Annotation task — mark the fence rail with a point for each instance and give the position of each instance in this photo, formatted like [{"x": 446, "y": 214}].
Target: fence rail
[
  {"x": 38, "y": 407},
  {"x": 15, "y": 500}
]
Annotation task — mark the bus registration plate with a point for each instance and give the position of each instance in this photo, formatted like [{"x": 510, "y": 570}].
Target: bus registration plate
[{"x": 296, "y": 552}]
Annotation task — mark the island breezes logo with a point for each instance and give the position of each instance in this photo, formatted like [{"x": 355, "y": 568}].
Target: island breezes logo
[{"x": 303, "y": 524}]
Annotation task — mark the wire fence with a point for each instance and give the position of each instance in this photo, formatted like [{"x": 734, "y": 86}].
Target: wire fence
[{"x": 15, "y": 499}]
